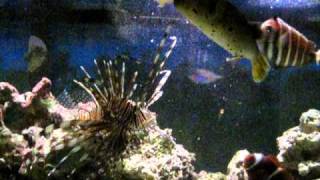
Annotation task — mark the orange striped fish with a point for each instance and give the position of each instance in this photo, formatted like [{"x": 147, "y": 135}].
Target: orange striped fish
[
  {"x": 284, "y": 46},
  {"x": 265, "y": 167}
]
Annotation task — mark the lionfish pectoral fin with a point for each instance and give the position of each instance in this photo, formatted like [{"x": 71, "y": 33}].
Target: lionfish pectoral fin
[
  {"x": 260, "y": 68},
  {"x": 73, "y": 151}
]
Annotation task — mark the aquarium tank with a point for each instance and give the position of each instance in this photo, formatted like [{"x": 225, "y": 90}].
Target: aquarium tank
[{"x": 160, "y": 89}]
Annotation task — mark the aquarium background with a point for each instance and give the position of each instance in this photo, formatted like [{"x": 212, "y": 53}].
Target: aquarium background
[{"x": 215, "y": 119}]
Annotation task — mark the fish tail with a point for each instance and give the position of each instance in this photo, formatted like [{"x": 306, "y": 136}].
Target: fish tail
[
  {"x": 318, "y": 57},
  {"x": 164, "y": 2},
  {"x": 260, "y": 68}
]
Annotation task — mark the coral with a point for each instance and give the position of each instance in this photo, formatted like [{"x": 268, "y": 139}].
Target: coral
[
  {"x": 298, "y": 150},
  {"x": 158, "y": 157},
  {"x": 203, "y": 175},
  {"x": 33, "y": 151},
  {"x": 235, "y": 169},
  {"x": 299, "y": 146},
  {"x": 114, "y": 133}
]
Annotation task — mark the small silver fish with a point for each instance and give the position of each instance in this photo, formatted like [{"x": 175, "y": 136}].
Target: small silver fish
[
  {"x": 37, "y": 54},
  {"x": 284, "y": 46},
  {"x": 204, "y": 76},
  {"x": 223, "y": 23}
]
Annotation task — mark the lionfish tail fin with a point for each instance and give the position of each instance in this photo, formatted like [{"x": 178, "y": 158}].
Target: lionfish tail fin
[{"x": 318, "y": 57}]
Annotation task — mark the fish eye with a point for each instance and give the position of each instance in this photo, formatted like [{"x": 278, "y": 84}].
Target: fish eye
[{"x": 269, "y": 29}]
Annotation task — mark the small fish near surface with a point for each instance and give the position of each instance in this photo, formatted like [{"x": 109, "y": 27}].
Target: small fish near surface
[
  {"x": 223, "y": 23},
  {"x": 204, "y": 76},
  {"x": 265, "y": 167},
  {"x": 284, "y": 46}
]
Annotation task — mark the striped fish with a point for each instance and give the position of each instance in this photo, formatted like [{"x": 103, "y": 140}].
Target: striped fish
[
  {"x": 284, "y": 46},
  {"x": 265, "y": 167}
]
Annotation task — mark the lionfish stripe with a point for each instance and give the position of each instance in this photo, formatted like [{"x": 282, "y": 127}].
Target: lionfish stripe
[
  {"x": 94, "y": 84},
  {"x": 131, "y": 86},
  {"x": 115, "y": 80},
  {"x": 132, "y": 91},
  {"x": 141, "y": 117},
  {"x": 156, "y": 95},
  {"x": 168, "y": 53},
  {"x": 161, "y": 45},
  {"x": 110, "y": 77},
  {"x": 155, "y": 70},
  {"x": 289, "y": 46},
  {"x": 100, "y": 92},
  {"x": 163, "y": 80},
  {"x": 122, "y": 79},
  {"x": 105, "y": 67},
  {"x": 88, "y": 91},
  {"x": 101, "y": 78},
  {"x": 85, "y": 72},
  {"x": 125, "y": 110}
]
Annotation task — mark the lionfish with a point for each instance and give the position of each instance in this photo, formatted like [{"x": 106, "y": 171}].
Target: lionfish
[{"x": 120, "y": 109}]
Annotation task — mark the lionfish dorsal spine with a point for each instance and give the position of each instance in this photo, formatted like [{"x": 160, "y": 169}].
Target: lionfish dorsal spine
[
  {"x": 88, "y": 91},
  {"x": 156, "y": 68},
  {"x": 94, "y": 84},
  {"x": 85, "y": 72},
  {"x": 156, "y": 95},
  {"x": 115, "y": 78},
  {"x": 123, "y": 71},
  {"x": 157, "y": 92},
  {"x": 132, "y": 86},
  {"x": 101, "y": 78},
  {"x": 161, "y": 45},
  {"x": 108, "y": 71},
  {"x": 168, "y": 53}
]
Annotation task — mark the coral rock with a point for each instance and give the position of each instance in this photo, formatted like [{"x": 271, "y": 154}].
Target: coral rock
[
  {"x": 235, "y": 169},
  {"x": 203, "y": 175},
  {"x": 159, "y": 157},
  {"x": 299, "y": 146},
  {"x": 310, "y": 121}
]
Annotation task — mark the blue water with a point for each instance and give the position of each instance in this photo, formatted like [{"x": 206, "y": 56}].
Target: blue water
[{"x": 255, "y": 114}]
